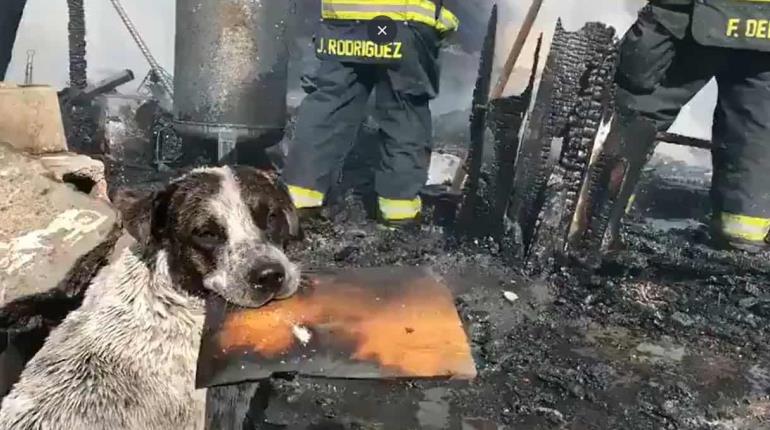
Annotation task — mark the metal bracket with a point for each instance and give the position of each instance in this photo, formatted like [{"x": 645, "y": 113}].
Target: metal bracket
[{"x": 226, "y": 142}]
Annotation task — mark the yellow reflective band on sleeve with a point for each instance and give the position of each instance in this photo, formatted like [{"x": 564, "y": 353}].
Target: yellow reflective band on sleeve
[
  {"x": 305, "y": 198},
  {"x": 422, "y": 11},
  {"x": 744, "y": 227},
  {"x": 396, "y": 210}
]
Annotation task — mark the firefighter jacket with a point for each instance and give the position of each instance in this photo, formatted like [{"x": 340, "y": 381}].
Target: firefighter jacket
[
  {"x": 734, "y": 24},
  {"x": 427, "y": 12}
]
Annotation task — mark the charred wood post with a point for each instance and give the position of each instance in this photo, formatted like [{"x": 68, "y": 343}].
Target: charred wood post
[
  {"x": 532, "y": 167},
  {"x": 596, "y": 104},
  {"x": 78, "y": 122},
  {"x": 575, "y": 94},
  {"x": 478, "y": 124},
  {"x": 556, "y": 100},
  {"x": 542, "y": 184},
  {"x": 506, "y": 120},
  {"x": 77, "y": 44}
]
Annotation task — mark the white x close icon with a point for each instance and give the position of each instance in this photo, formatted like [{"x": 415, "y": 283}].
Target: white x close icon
[{"x": 382, "y": 30}]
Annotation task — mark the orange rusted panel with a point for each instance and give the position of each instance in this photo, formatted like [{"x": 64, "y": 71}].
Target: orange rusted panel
[{"x": 357, "y": 323}]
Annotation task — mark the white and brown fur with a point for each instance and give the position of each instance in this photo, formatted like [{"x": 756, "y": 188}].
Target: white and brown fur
[{"x": 126, "y": 358}]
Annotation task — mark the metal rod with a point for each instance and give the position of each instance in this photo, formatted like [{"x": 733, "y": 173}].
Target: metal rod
[
  {"x": 518, "y": 45},
  {"x": 106, "y": 85},
  {"x": 164, "y": 80},
  {"x": 28, "y": 71},
  {"x": 678, "y": 139}
]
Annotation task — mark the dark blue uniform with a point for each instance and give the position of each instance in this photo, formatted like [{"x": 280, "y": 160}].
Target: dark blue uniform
[
  {"x": 668, "y": 55},
  {"x": 10, "y": 16},
  {"x": 404, "y": 76}
]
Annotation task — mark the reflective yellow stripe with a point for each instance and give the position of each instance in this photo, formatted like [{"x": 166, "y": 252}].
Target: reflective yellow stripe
[
  {"x": 744, "y": 227},
  {"x": 305, "y": 198},
  {"x": 395, "y": 210},
  {"x": 423, "y": 11}
]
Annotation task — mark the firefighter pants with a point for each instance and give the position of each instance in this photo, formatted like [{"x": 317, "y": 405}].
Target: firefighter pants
[
  {"x": 659, "y": 73},
  {"x": 10, "y": 17},
  {"x": 330, "y": 116}
]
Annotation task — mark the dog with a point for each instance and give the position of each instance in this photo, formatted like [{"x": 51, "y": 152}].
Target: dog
[{"x": 126, "y": 359}]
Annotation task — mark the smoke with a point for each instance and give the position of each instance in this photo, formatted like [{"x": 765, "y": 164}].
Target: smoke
[
  {"x": 110, "y": 48},
  {"x": 632, "y": 6}
]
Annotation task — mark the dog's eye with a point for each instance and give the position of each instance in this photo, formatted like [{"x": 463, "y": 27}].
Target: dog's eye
[{"x": 208, "y": 238}]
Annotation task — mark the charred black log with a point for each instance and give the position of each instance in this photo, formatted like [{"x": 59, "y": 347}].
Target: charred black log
[
  {"x": 506, "y": 120},
  {"x": 581, "y": 93},
  {"x": 78, "y": 119},
  {"x": 596, "y": 102},
  {"x": 77, "y": 44},
  {"x": 532, "y": 168}
]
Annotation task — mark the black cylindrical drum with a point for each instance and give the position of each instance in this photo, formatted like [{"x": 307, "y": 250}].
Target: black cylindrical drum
[{"x": 231, "y": 69}]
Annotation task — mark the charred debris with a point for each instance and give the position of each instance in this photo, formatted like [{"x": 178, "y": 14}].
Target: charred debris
[
  {"x": 542, "y": 141},
  {"x": 521, "y": 191}
]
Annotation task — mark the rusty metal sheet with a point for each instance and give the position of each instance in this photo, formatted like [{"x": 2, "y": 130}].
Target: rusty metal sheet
[{"x": 369, "y": 323}]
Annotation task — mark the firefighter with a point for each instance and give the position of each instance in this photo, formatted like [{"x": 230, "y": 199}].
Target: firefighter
[
  {"x": 387, "y": 47},
  {"x": 669, "y": 54},
  {"x": 10, "y": 17}
]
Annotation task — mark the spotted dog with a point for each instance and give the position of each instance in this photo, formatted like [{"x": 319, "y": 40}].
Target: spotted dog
[{"x": 126, "y": 358}]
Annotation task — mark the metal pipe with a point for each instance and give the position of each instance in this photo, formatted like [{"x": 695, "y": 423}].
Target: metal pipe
[
  {"x": 678, "y": 139},
  {"x": 162, "y": 74},
  {"x": 518, "y": 45},
  {"x": 28, "y": 70},
  {"x": 105, "y": 86}
]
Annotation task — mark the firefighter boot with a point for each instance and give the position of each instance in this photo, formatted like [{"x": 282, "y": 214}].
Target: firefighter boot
[
  {"x": 397, "y": 214},
  {"x": 308, "y": 202}
]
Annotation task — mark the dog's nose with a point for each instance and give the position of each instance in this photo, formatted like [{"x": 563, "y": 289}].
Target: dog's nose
[{"x": 268, "y": 277}]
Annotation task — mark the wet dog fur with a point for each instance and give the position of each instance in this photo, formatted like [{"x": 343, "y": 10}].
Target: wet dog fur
[{"x": 126, "y": 358}]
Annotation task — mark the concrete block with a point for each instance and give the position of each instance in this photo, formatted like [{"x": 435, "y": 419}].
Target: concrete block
[
  {"x": 30, "y": 119},
  {"x": 47, "y": 226}
]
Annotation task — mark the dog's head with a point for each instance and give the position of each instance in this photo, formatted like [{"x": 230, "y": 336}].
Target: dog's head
[{"x": 223, "y": 230}]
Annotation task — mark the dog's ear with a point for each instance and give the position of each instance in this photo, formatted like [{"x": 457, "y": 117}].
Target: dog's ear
[
  {"x": 143, "y": 213},
  {"x": 289, "y": 210},
  {"x": 292, "y": 222}
]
